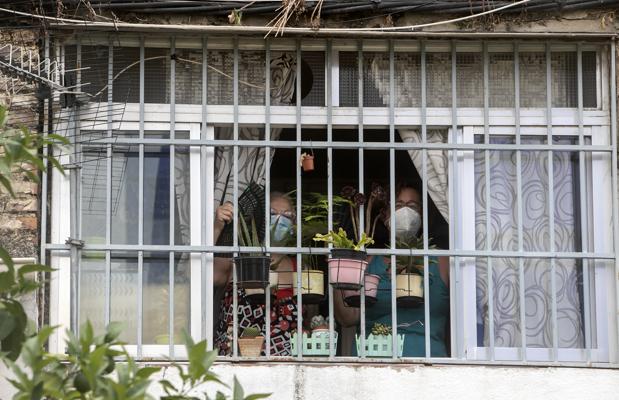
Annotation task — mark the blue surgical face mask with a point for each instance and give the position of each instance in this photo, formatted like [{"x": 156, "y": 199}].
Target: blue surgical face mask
[{"x": 281, "y": 227}]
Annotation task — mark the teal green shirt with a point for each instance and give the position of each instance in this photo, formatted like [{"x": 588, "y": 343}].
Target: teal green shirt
[{"x": 411, "y": 321}]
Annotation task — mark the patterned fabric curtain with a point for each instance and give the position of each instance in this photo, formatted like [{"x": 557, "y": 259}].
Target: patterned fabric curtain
[
  {"x": 251, "y": 160},
  {"x": 437, "y": 166},
  {"x": 438, "y": 181},
  {"x": 504, "y": 236}
]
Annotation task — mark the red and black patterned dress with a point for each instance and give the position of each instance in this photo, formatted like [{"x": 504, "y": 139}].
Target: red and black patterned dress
[{"x": 283, "y": 321}]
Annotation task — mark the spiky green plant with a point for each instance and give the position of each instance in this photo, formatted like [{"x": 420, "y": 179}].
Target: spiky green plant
[{"x": 251, "y": 332}]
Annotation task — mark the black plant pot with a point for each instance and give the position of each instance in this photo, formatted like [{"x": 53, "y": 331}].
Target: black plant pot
[
  {"x": 252, "y": 272},
  {"x": 349, "y": 254}
]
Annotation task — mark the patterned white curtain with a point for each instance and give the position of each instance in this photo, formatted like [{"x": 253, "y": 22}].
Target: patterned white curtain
[
  {"x": 251, "y": 160},
  {"x": 437, "y": 165},
  {"x": 504, "y": 236}
]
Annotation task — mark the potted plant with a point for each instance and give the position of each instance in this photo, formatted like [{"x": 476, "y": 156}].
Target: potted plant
[
  {"x": 379, "y": 342},
  {"x": 252, "y": 270},
  {"x": 250, "y": 342},
  {"x": 352, "y": 298},
  {"x": 348, "y": 259},
  {"x": 307, "y": 161},
  {"x": 409, "y": 278}
]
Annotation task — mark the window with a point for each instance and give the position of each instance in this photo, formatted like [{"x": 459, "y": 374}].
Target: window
[{"x": 512, "y": 190}]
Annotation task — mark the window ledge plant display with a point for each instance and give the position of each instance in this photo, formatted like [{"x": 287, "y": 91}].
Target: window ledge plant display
[
  {"x": 409, "y": 279},
  {"x": 348, "y": 259},
  {"x": 379, "y": 342},
  {"x": 252, "y": 270},
  {"x": 317, "y": 343},
  {"x": 250, "y": 342}
]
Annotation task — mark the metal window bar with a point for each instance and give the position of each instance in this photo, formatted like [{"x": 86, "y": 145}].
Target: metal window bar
[
  {"x": 172, "y": 194},
  {"x": 490, "y": 293},
  {"x": 330, "y": 188},
  {"x": 298, "y": 203},
  {"x": 521, "y": 280},
  {"x": 108, "y": 197},
  {"x": 206, "y": 269},
  {"x": 551, "y": 205},
  {"x": 424, "y": 202},
  {"x": 584, "y": 225},
  {"x": 141, "y": 205},
  {"x": 394, "y": 311},
  {"x": 362, "y": 329},
  {"x": 452, "y": 174},
  {"x": 267, "y": 187},
  {"x": 613, "y": 350},
  {"x": 235, "y": 200}
]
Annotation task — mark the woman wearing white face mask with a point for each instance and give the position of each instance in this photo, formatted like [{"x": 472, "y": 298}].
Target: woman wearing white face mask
[{"x": 411, "y": 321}]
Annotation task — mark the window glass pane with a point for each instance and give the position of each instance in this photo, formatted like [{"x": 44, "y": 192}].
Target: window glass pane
[
  {"x": 125, "y": 184},
  {"x": 126, "y": 87},
  {"x": 156, "y": 297},
  {"x": 349, "y": 79},
  {"x": 438, "y": 70},
  {"x": 589, "y": 78},
  {"x": 470, "y": 80},
  {"x": 536, "y": 234},
  {"x": 375, "y": 79},
  {"x": 313, "y": 78},
  {"x": 94, "y": 190},
  {"x": 220, "y": 76},
  {"x": 251, "y": 77},
  {"x": 95, "y": 71},
  {"x": 156, "y": 69},
  {"x": 407, "y": 79},
  {"x": 92, "y": 290},
  {"x": 532, "y": 67},
  {"x": 501, "y": 79},
  {"x": 188, "y": 66}
]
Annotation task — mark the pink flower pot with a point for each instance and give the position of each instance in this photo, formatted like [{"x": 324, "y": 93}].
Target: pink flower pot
[
  {"x": 353, "y": 297},
  {"x": 345, "y": 273}
]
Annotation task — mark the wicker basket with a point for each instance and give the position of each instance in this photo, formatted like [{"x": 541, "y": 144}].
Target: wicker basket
[{"x": 251, "y": 347}]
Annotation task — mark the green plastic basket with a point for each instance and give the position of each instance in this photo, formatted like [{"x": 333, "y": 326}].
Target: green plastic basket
[
  {"x": 317, "y": 344},
  {"x": 380, "y": 346}
]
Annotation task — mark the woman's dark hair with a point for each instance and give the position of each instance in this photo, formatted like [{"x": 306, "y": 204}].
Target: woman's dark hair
[{"x": 401, "y": 185}]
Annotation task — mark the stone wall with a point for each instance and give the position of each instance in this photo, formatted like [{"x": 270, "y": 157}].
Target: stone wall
[{"x": 19, "y": 216}]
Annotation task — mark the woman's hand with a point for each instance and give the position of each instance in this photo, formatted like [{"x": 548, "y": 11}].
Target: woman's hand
[{"x": 223, "y": 215}]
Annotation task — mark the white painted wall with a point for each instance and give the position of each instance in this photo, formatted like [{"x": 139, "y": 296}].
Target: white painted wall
[{"x": 419, "y": 382}]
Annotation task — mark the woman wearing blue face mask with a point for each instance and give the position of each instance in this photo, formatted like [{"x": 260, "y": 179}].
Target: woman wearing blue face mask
[
  {"x": 283, "y": 311},
  {"x": 411, "y": 321}
]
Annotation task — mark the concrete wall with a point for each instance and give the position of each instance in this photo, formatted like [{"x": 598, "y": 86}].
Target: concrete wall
[{"x": 420, "y": 382}]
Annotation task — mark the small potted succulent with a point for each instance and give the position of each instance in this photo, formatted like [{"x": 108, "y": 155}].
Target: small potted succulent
[
  {"x": 319, "y": 324},
  {"x": 348, "y": 259},
  {"x": 317, "y": 343},
  {"x": 379, "y": 342},
  {"x": 409, "y": 279},
  {"x": 250, "y": 342},
  {"x": 252, "y": 270}
]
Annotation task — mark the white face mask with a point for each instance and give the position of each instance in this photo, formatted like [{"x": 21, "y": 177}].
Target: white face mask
[{"x": 407, "y": 223}]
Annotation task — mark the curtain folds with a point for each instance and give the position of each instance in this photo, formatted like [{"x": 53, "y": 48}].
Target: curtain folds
[{"x": 504, "y": 232}]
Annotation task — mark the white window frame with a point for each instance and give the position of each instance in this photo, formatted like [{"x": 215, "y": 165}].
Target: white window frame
[{"x": 61, "y": 278}]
